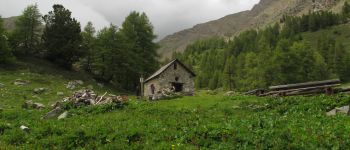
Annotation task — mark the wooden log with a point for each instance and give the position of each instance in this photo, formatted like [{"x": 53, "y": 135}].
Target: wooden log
[
  {"x": 304, "y": 85},
  {"x": 286, "y": 92}
]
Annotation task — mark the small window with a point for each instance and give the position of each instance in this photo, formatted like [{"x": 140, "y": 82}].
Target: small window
[
  {"x": 175, "y": 66},
  {"x": 176, "y": 79}
]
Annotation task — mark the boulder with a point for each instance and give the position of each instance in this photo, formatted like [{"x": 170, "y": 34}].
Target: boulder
[
  {"x": 38, "y": 106},
  {"x": 28, "y": 104},
  {"x": 2, "y": 85},
  {"x": 229, "y": 93},
  {"x": 56, "y": 104},
  {"x": 39, "y": 90},
  {"x": 24, "y": 128},
  {"x": 60, "y": 94},
  {"x": 20, "y": 82},
  {"x": 343, "y": 110},
  {"x": 331, "y": 113},
  {"x": 53, "y": 113},
  {"x": 71, "y": 85},
  {"x": 63, "y": 115},
  {"x": 340, "y": 110}
]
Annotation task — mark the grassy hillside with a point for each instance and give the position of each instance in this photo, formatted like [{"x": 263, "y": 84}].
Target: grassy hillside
[
  {"x": 40, "y": 74},
  {"x": 204, "y": 121}
]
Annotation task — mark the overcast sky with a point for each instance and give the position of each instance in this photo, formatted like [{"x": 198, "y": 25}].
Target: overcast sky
[{"x": 167, "y": 16}]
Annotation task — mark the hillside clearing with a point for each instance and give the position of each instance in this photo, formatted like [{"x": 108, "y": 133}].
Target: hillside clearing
[{"x": 207, "y": 121}]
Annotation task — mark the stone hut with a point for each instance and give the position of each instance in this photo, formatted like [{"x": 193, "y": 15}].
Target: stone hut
[{"x": 174, "y": 75}]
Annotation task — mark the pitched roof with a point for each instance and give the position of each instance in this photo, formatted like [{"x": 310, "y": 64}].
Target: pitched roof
[{"x": 162, "y": 69}]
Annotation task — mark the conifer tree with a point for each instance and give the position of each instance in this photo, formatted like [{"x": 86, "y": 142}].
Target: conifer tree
[
  {"x": 6, "y": 55},
  {"x": 26, "y": 36},
  {"x": 61, "y": 37}
]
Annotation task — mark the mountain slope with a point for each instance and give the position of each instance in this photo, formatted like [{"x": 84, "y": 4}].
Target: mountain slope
[
  {"x": 262, "y": 14},
  {"x": 9, "y": 23}
]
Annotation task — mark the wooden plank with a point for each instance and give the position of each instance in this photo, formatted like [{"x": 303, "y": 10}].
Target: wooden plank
[
  {"x": 299, "y": 89},
  {"x": 304, "y": 85}
]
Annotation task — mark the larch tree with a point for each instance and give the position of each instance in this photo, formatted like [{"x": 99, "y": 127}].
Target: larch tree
[
  {"x": 28, "y": 31},
  {"x": 89, "y": 46}
]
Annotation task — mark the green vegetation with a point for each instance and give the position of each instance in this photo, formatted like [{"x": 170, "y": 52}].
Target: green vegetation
[
  {"x": 25, "y": 39},
  {"x": 6, "y": 55},
  {"x": 112, "y": 55},
  {"x": 280, "y": 54},
  {"x": 208, "y": 120}
]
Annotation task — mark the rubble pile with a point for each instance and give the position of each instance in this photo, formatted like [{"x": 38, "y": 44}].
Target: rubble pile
[
  {"x": 89, "y": 97},
  {"x": 83, "y": 98}
]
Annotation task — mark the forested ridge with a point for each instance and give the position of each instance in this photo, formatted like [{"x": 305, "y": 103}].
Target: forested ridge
[
  {"x": 114, "y": 55},
  {"x": 277, "y": 54}
]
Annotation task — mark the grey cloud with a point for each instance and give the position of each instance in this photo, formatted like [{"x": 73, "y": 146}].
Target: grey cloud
[{"x": 167, "y": 16}]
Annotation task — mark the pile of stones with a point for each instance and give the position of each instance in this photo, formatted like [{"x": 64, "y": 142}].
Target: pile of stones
[{"x": 83, "y": 98}]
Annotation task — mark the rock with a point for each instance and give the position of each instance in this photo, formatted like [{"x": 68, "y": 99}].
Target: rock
[
  {"x": 229, "y": 93},
  {"x": 20, "y": 82},
  {"x": 60, "y": 93},
  {"x": 331, "y": 113},
  {"x": 79, "y": 82},
  {"x": 342, "y": 110},
  {"x": 53, "y": 113},
  {"x": 25, "y": 128},
  {"x": 28, "y": 104},
  {"x": 57, "y": 104},
  {"x": 63, "y": 115},
  {"x": 38, "y": 106},
  {"x": 2, "y": 85},
  {"x": 39, "y": 90},
  {"x": 71, "y": 85}
]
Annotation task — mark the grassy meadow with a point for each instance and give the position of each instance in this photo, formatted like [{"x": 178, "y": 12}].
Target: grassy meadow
[{"x": 208, "y": 120}]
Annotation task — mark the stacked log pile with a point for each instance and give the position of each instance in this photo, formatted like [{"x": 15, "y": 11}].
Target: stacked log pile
[{"x": 308, "y": 88}]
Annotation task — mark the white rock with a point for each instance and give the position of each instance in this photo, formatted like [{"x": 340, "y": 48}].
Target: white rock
[
  {"x": 20, "y": 82},
  {"x": 342, "y": 110},
  {"x": 38, "y": 106},
  {"x": 63, "y": 115},
  {"x": 2, "y": 85},
  {"x": 25, "y": 128},
  {"x": 331, "y": 113}
]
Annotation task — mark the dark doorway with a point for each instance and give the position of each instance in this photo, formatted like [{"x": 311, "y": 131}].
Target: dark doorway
[
  {"x": 153, "y": 88},
  {"x": 178, "y": 86}
]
